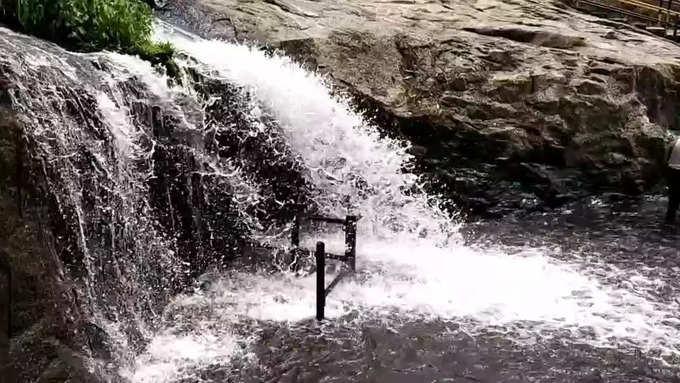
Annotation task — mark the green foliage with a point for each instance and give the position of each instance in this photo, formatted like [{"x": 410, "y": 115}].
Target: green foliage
[
  {"x": 160, "y": 54},
  {"x": 87, "y": 25},
  {"x": 157, "y": 50}
]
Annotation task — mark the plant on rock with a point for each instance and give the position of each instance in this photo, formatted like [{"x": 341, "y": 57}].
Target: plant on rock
[{"x": 88, "y": 25}]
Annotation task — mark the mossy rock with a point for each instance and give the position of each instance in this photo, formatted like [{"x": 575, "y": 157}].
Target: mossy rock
[{"x": 160, "y": 55}]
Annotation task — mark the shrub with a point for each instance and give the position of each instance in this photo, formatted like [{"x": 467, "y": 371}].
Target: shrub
[{"x": 88, "y": 25}]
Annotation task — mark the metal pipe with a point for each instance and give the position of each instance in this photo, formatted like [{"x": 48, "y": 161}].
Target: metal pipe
[
  {"x": 335, "y": 282},
  {"x": 351, "y": 241},
  {"x": 319, "y": 218},
  {"x": 636, "y": 3},
  {"x": 320, "y": 280}
]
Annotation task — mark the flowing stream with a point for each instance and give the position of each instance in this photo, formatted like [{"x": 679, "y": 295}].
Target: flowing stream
[{"x": 414, "y": 265}]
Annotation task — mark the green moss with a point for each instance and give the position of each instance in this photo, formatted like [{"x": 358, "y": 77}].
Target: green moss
[
  {"x": 160, "y": 54},
  {"x": 88, "y": 25}
]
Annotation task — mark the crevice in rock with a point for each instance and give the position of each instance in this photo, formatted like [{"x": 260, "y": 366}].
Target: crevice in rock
[{"x": 540, "y": 38}]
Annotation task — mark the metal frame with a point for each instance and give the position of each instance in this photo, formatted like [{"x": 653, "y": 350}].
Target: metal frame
[
  {"x": 350, "y": 228},
  {"x": 320, "y": 280},
  {"x": 668, "y": 17}
]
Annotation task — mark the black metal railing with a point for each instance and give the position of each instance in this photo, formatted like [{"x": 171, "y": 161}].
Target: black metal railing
[
  {"x": 665, "y": 13},
  {"x": 349, "y": 224},
  {"x": 668, "y": 4}
]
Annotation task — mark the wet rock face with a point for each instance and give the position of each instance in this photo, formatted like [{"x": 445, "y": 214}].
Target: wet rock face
[
  {"x": 112, "y": 196},
  {"x": 508, "y": 104},
  {"x": 5, "y": 323},
  {"x": 30, "y": 253}
]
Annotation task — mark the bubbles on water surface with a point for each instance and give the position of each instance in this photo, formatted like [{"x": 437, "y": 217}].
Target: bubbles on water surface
[{"x": 177, "y": 353}]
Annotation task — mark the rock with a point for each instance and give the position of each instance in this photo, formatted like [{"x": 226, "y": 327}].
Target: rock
[
  {"x": 453, "y": 80},
  {"x": 610, "y": 35},
  {"x": 589, "y": 87},
  {"x": 40, "y": 299},
  {"x": 536, "y": 37},
  {"x": 5, "y": 299},
  {"x": 508, "y": 88},
  {"x": 99, "y": 341},
  {"x": 501, "y": 56},
  {"x": 67, "y": 366},
  {"x": 459, "y": 84},
  {"x": 659, "y": 31}
]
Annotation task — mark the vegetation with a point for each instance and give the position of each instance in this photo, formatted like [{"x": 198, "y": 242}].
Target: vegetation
[{"x": 87, "y": 25}]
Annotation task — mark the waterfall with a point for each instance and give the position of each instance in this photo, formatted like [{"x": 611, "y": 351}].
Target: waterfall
[
  {"x": 154, "y": 181},
  {"x": 88, "y": 162},
  {"x": 128, "y": 189},
  {"x": 411, "y": 257}
]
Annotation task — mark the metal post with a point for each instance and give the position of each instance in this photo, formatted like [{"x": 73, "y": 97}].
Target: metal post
[
  {"x": 668, "y": 14},
  {"x": 351, "y": 241},
  {"x": 320, "y": 280},
  {"x": 295, "y": 233}
]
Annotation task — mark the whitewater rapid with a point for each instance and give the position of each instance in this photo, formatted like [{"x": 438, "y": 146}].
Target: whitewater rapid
[{"x": 411, "y": 257}]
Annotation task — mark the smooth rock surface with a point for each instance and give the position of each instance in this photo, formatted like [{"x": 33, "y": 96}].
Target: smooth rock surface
[{"x": 495, "y": 95}]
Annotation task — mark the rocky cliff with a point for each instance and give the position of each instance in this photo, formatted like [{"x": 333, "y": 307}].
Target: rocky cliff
[{"x": 509, "y": 104}]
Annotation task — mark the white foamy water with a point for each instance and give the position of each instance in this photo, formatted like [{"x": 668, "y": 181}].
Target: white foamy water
[
  {"x": 172, "y": 356},
  {"x": 118, "y": 122},
  {"x": 348, "y": 162},
  {"x": 491, "y": 288},
  {"x": 410, "y": 257}
]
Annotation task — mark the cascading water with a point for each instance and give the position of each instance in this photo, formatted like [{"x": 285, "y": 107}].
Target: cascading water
[
  {"x": 85, "y": 150},
  {"x": 151, "y": 176},
  {"x": 120, "y": 183},
  {"x": 412, "y": 261}
]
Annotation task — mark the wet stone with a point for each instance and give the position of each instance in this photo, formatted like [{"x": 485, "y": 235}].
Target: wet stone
[{"x": 589, "y": 87}]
